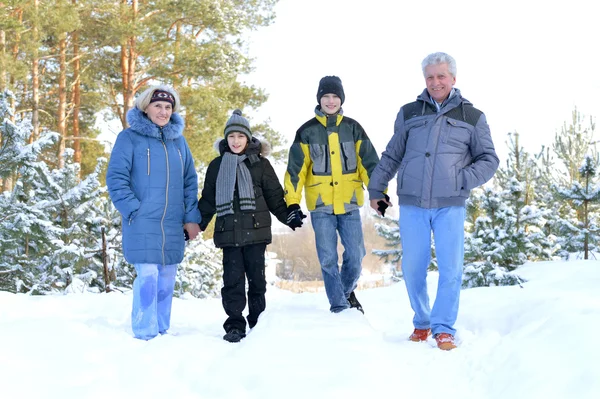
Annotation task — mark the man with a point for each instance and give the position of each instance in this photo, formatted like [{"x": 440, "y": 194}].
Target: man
[
  {"x": 441, "y": 149},
  {"x": 331, "y": 158}
]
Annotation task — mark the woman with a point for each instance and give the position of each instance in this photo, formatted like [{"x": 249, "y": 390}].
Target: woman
[{"x": 152, "y": 181}]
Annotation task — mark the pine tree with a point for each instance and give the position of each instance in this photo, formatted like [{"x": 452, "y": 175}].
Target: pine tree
[
  {"x": 199, "y": 274},
  {"x": 110, "y": 270},
  {"x": 198, "y": 47},
  {"x": 390, "y": 230},
  {"x": 583, "y": 234},
  {"x": 511, "y": 226},
  {"x": 572, "y": 145},
  {"x": 23, "y": 222},
  {"x": 491, "y": 252}
]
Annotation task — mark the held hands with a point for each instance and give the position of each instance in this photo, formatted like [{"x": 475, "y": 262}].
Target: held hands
[
  {"x": 295, "y": 216},
  {"x": 191, "y": 230},
  {"x": 380, "y": 205}
]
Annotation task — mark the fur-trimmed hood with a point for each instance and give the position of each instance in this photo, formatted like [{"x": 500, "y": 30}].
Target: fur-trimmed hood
[
  {"x": 141, "y": 124},
  {"x": 259, "y": 147}
]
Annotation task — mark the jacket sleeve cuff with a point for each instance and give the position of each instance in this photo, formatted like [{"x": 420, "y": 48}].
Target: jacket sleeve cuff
[
  {"x": 192, "y": 217},
  {"x": 376, "y": 194}
]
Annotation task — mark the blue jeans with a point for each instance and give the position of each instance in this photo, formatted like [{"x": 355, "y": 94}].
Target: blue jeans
[
  {"x": 152, "y": 299},
  {"x": 447, "y": 225},
  {"x": 339, "y": 284}
]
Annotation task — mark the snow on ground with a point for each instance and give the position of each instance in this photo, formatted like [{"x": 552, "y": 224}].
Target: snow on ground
[{"x": 538, "y": 341}]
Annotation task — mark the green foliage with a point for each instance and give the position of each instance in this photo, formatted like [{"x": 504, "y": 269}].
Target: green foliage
[
  {"x": 199, "y": 47},
  {"x": 581, "y": 235},
  {"x": 571, "y": 170},
  {"x": 199, "y": 275},
  {"x": 571, "y": 146},
  {"x": 390, "y": 230},
  {"x": 487, "y": 274}
]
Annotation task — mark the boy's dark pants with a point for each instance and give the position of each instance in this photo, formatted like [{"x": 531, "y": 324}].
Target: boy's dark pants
[{"x": 239, "y": 262}]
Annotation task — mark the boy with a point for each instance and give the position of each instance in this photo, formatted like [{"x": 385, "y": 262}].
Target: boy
[
  {"x": 331, "y": 158},
  {"x": 242, "y": 188}
]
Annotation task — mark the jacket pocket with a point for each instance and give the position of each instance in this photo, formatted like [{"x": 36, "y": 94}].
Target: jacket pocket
[
  {"x": 261, "y": 220},
  {"x": 225, "y": 223},
  {"x": 256, "y": 220},
  {"x": 318, "y": 156},
  {"x": 456, "y": 135},
  {"x": 401, "y": 174},
  {"x": 349, "y": 161},
  {"x": 135, "y": 214}
]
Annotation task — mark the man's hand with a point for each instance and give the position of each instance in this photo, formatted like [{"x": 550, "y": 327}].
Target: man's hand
[
  {"x": 381, "y": 204},
  {"x": 192, "y": 230}
]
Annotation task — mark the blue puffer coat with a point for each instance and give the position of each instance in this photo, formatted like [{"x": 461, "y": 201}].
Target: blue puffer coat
[{"x": 152, "y": 181}]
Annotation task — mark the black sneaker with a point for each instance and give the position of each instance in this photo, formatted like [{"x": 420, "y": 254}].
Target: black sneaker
[
  {"x": 234, "y": 335},
  {"x": 354, "y": 302}
]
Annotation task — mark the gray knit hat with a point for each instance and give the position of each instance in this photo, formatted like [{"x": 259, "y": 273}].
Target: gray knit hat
[{"x": 237, "y": 123}]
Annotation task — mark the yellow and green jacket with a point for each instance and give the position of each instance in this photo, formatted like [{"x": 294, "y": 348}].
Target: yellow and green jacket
[{"x": 331, "y": 158}]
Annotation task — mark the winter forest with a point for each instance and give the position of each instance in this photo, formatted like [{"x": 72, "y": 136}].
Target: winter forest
[{"x": 69, "y": 66}]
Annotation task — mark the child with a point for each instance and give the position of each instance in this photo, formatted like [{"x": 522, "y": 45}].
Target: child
[
  {"x": 331, "y": 159},
  {"x": 241, "y": 187}
]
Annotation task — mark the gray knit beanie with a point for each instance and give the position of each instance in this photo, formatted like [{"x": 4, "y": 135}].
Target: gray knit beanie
[{"x": 237, "y": 123}]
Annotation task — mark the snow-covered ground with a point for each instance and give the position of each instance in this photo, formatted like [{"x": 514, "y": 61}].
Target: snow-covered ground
[{"x": 538, "y": 341}]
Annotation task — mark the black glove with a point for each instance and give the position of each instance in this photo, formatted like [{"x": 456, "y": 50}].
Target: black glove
[
  {"x": 295, "y": 216},
  {"x": 382, "y": 205}
]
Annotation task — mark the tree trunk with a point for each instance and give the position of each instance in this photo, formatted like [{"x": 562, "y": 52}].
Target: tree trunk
[
  {"x": 128, "y": 65},
  {"x": 2, "y": 75},
  {"x": 76, "y": 96},
  {"x": 586, "y": 222},
  {"x": 15, "y": 51},
  {"x": 35, "y": 78},
  {"x": 62, "y": 99},
  {"x": 107, "y": 279},
  {"x": 2, "y": 63}
]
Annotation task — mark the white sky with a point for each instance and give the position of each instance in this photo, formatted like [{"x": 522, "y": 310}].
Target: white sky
[
  {"x": 525, "y": 63},
  {"x": 539, "y": 341}
]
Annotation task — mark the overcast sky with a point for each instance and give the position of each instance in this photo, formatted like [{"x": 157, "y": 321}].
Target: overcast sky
[{"x": 526, "y": 64}]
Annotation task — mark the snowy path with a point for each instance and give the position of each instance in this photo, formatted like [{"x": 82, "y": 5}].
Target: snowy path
[{"x": 531, "y": 342}]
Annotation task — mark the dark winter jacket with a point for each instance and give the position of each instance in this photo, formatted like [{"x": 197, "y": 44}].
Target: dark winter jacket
[
  {"x": 439, "y": 156},
  {"x": 244, "y": 227},
  {"x": 152, "y": 182}
]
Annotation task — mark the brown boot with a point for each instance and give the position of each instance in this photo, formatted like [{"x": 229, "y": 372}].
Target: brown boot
[
  {"x": 445, "y": 341},
  {"x": 420, "y": 335}
]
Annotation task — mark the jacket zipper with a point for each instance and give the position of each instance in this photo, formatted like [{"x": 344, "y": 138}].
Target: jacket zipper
[
  {"x": 148, "y": 161},
  {"x": 162, "y": 220},
  {"x": 181, "y": 159},
  {"x": 437, "y": 142}
]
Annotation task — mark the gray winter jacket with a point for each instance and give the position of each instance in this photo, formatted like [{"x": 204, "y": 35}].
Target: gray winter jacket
[{"x": 439, "y": 156}]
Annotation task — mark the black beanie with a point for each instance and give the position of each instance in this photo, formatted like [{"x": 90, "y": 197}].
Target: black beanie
[
  {"x": 237, "y": 123},
  {"x": 330, "y": 84}
]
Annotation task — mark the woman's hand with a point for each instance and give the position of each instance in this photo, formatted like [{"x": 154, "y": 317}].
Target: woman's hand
[{"x": 192, "y": 229}]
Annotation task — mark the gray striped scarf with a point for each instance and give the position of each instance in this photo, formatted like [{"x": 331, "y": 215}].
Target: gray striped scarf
[{"x": 233, "y": 166}]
